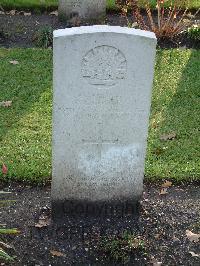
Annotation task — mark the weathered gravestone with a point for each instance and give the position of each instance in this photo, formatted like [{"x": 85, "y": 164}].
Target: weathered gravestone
[
  {"x": 85, "y": 10},
  {"x": 102, "y": 93}
]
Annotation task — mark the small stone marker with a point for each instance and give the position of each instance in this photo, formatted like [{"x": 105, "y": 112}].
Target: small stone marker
[
  {"x": 102, "y": 92},
  {"x": 85, "y": 10}
]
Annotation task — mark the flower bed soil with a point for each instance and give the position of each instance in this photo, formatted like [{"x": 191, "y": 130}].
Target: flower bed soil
[
  {"x": 19, "y": 30},
  {"x": 161, "y": 224}
]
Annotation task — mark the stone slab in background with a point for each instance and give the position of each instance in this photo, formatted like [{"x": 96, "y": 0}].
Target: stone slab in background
[
  {"x": 83, "y": 10},
  {"x": 102, "y": 93}
]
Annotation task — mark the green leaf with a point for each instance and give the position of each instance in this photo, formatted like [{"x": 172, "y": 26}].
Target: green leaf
[
  {"x": 9, "y": 231},
  {"x": 5, "y": 256}
]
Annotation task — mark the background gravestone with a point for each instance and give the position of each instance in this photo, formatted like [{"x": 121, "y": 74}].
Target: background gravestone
[
  {"x": 84, "y": 10},
  {"x": 102, "y": 93}
]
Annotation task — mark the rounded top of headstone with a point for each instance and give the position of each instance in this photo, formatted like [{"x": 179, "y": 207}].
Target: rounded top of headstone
[{"x": 103, "y": 29}]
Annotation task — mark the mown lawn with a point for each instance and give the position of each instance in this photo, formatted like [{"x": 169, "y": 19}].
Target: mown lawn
[
  {"x": 52, "y": 4},
  {"x": 32, "y": 4},
  {"x": 25, "y": 129}
]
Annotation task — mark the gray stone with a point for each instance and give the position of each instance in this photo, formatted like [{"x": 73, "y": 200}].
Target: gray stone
[
  {"x": 102, "y": 92},
  {"x": 83, "y": 10}
]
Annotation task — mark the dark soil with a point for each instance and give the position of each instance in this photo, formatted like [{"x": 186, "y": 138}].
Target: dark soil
[
  {"x": 161, "y": 224},
  {"x": 20, "y": 30}
]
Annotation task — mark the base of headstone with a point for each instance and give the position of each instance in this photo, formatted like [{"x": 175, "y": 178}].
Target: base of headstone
[
  {"x": 78, "y": 12},
  {"x": 100, "y": 209},
  {"x": 75, "y": 20}
]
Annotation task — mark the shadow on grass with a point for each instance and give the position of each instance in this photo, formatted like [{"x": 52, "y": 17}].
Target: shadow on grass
[
  {"x": 175, "y": 108},
  {"x": 22, "y": 83},
  {"x": 25, "y": 131}
]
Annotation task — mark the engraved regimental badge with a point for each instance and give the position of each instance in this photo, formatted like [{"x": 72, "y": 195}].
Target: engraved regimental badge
[{"x": 104, "y": 65}]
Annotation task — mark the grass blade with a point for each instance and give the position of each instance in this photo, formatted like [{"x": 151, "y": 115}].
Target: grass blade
[{"x": 9, "y": 231}]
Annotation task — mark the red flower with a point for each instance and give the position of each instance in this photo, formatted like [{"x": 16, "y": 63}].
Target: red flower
[{"x": 4, "y": 169}]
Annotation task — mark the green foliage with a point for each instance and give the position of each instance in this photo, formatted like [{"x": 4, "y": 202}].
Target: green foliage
[
  {"x": 25, "y": 131},
  {"x": 194, "y": 32},
  {"x": 3, "y": 254},
  {"x": 4, "y": 203},
  {"x": 111, "y": 5},
  {"x": 191, "y": 4},
  {"x": 167, "y": 24},
  {"x": 9, "y": 231},
  {"x": 119, "y": 248},
  {"x": 4, "y": 34},
  {"x": 53, "y": 4},
  {"x": 44, "y": 37}
]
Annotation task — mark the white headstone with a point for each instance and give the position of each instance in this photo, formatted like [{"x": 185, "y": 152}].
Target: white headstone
[
  {"x": 102, "y": 92},
  {"x": 89, "y": 10}
]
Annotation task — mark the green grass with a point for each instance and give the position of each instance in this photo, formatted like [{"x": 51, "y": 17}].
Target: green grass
[
  {"x": 25, "y": 131},
  {"x": 192, "y": 4},
  {"x": 175, "y": 108},
  {"x": 29, "y": 4},
  {"x": 52, "y": 4}
]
